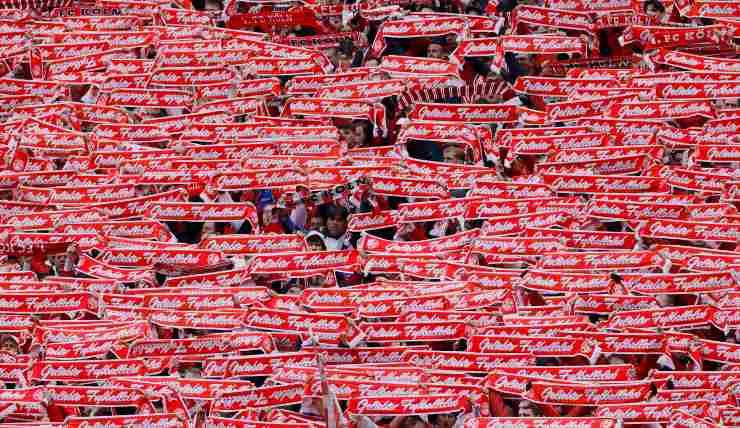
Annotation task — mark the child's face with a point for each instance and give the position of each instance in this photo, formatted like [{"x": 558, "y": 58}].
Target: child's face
[
  {"x": 314, "y": 245},
  {"x": 336, "y": 226}
]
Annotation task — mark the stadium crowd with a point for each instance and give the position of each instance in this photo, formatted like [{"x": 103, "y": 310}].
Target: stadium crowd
[{"x": 398, "y": 214}]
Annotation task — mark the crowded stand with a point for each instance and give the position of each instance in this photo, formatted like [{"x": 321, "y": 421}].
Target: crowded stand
[{"x": 370, "y": 214}]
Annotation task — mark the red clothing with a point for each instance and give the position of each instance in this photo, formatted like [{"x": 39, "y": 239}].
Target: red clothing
[
  {"x": 275, "y": 228},
  {"x": 38, "y": 264},
  {"x": 612, "y": 38},
  {"x": 419, "y": 233},
  {"x": 60, "y": 413}
]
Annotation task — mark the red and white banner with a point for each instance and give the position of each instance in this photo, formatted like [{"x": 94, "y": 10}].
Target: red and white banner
[
  {"x": 688, "y": 61},
  {"x": 585, "y": 395},
  {"x": 163, "y": 420},
  {"x": 653, "y": 412},
  {"x": 591, "y": 184},
  {"x": 544, "y": 422},
  {"x": 689, "y": 230},
  {"x": 466, "y": 361},
  {"x": 422, "y": 27},
  {"x": 544, "y": 44},
  {"x": 676, "y": 317},
  {"x": 91, "y": 370},
  {"x": 470, "y": 113},
  {"x": 553, "y": 18}
]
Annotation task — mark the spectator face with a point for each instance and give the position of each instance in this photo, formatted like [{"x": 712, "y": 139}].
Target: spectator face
[
  {"x": 454, "y": 154},
  {"x": 435, "y": 51},
  {"x": 191, "y": 372},
  {"x": 445, "y": 421},
  {"x": 651, "y": 10},
  {"x": 209, "y": 228},
  {"x": 346, "y": 134},
  {"x": 336, "y": 226},
  {"x": 358, "y": 136},
  {"x": 519, "y": 167},
  {"x": 268, "y": 216},
  {"x": 213, "y": 5},
  {"x": 331, "y": 53},
  {"x": 412, "y": 422},
  {"x": 525, "y": 61},
  {"x": 344, "y": 61},
  {"x": 315, "y": 223},
  {"x": 9, "y": 346},
  {"x": 526, "y": 409},
  {"x": 315, "y": 244}
]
